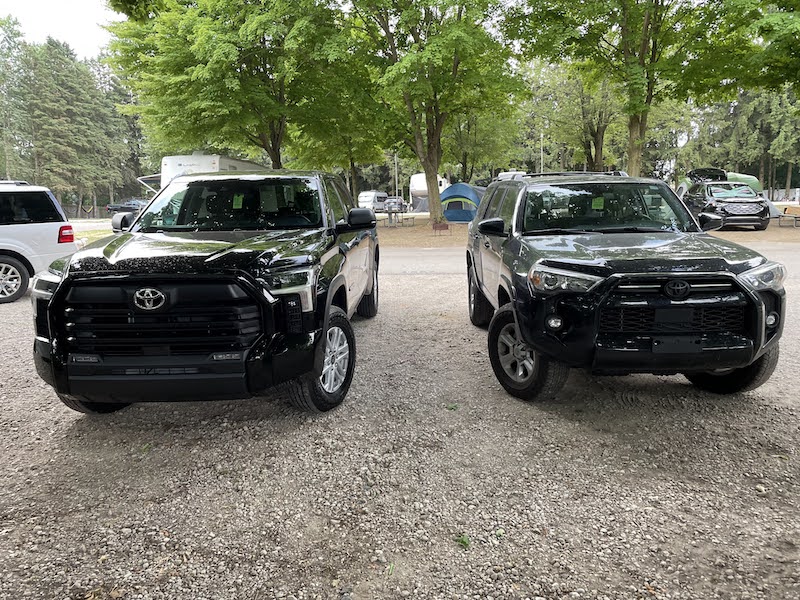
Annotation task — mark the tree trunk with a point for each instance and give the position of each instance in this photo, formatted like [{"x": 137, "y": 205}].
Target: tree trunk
[
  {"x": 761, "y": 170},
  {"x": 637, "y": 127},
  {"x": 789, "y": 169},
  {"x": 434, "y": 200},
  {"x": 94, "y": 205},
  {"x": 597, "y": 140},
  {"x": 464, "y": 159},
  {"x": 353, "y": 179}
]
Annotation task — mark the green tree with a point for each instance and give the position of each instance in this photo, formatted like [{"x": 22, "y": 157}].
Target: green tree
[
  {"x": 10, "y": 107},
  {"x": 431, "y": 61},
  {"x": 227, "y": 74},
  {"x": 652, "y": 48}
]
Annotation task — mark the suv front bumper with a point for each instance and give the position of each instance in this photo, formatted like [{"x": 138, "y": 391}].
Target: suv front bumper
[{"x": 718, "y": 330}]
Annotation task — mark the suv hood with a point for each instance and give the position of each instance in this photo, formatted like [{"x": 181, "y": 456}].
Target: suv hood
[
  {"x": 200, "y": 252},
  {"x": 641, "y": 253}
]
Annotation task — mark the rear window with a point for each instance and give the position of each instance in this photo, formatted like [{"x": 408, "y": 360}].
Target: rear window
[{"x": 18, "y": 208}]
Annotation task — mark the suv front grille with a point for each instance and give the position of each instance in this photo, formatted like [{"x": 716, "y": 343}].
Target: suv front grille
[
  {"x": 743, "y": 208},
  {"x": 198, "y": 318},
  {"x": 644, "y": 319}
]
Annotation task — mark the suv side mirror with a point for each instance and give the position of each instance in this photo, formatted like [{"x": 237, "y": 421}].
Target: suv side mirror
[
  {"x": 710, "y": 222},
  {"x": 121, "y": 221},
  {"x": 492, "y": 227},
  {"x": 357, "y": 219}
]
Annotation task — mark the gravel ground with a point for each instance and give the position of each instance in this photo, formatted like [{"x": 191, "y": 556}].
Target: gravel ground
[{"x": 429, "y": 482}]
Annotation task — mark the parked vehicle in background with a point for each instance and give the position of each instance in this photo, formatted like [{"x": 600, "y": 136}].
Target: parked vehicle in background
[
  {"x": 373, "y": 199},
  {"x": 395, "y": 204},
  {"x": 735, "y": 203},
  {"x": 133, "y": 205},
  {"x": 614, "y": 275},
  {"x": 34, "y": 231},
  {"x": 224, "y": 286},
  {"x": 197, "y": 162}
]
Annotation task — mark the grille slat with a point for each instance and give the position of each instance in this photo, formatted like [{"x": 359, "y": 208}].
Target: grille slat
[
  {"x": 642, "y": 319},
  {"x": 203, "y": 318},
  {"x": 742, "y": 208}
]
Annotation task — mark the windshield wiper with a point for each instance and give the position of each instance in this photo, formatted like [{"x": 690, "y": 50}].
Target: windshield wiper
[
  {"x": 633, "y": 230},
  {"x": 559, "y": 231}
]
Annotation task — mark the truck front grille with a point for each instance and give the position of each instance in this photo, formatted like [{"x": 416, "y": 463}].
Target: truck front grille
[{"x": 197, "y": 318}]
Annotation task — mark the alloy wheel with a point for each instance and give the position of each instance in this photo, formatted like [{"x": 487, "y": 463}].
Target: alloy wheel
[
  {"x": 337, "y": 359},
  {"x": 10, "y": 280},
  {"x": 517, "y": 360}
]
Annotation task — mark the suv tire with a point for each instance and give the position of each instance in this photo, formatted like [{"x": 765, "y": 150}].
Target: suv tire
[
  {"x": 323, "y": 393},
  {"x": 480, "y": 310},
  {"x": 521, "y": 371},
  {"x": 13, "y": 279},
  {"x": 737, "y": 380},
  {"x": 368, "y": 307},
  {"x": 82, "y": 405}
]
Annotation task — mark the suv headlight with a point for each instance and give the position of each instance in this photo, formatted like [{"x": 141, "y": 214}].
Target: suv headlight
[
  {"x": 302, "y": 282},
  {"x": 548, "y": 279},
  {"x": 769, "y": 276}
]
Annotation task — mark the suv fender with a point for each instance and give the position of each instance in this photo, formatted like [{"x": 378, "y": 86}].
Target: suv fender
[{"x": 4, "y": 250}]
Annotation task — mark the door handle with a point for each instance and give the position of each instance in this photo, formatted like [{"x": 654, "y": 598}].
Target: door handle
[{"x": 487, "y": 245}]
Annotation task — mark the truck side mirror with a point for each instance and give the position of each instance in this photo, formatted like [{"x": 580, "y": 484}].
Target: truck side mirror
[{"x": 121, "y": 221}]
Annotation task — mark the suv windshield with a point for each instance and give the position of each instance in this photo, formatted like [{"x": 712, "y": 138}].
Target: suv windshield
[
  {"x": 624, "y": 206},
  {"x": 228, "y": 204},
  {"x": 731, "y": 191}
]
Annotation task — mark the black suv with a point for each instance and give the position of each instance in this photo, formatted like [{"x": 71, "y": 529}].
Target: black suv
[
  {"x": 614, "y": 275},
  {"x": 224, "y": 286},
  {"x": 736, "y": 203}
]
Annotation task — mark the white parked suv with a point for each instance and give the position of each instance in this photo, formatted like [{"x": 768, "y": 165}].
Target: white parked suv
[{"x": 34, "y": 232}]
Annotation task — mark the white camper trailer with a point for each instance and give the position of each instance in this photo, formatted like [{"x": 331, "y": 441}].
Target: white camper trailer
[
  {"x": 418, "y": 190},
  {"x": 173, "y": 166}
]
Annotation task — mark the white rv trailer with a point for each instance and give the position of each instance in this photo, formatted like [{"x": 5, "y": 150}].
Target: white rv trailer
[{"x": 173, "y": 166}]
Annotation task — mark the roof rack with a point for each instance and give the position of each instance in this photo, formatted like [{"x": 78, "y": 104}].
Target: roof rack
[
  {"x": 14, "y": 182},
  {"x": 511, "y": 175}
]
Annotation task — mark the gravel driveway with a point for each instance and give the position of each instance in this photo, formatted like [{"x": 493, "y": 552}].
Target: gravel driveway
[{"x": 429, "y": 482}]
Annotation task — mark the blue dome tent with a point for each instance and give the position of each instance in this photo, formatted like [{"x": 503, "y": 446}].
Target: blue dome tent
[{"x": 460, "y": 203}]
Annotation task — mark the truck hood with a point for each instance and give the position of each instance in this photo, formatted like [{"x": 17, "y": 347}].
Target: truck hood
[
  {"x": 200, "y": 252},
  {"x": 641, "y": 253}
]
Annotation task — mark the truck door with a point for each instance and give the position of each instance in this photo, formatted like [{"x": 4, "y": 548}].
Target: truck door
[{"x": 362, "y": 257}]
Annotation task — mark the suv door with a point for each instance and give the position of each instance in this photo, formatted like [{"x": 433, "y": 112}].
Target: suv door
[
  {"x": 347, "y": 243},
  {"x": 494, "y": 245},
  {"x": 489, "y": 260},
  {"x": 475, "y": 240}
]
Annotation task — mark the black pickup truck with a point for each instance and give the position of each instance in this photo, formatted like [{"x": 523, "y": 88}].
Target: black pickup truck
[
  {"x": 614, "y": 275},
  {"x": 225, "y": 286}
]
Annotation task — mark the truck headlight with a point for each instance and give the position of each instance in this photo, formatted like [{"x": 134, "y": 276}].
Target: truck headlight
[
  {"x": 302, "y": 282},
  {"x": 769, "y": 276},
  {"x": 548, "y": 279},
  {"x": 44, "y": 285}
]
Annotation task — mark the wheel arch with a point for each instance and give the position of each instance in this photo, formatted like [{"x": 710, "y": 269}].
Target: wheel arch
[{"x": 16, "y": 255}]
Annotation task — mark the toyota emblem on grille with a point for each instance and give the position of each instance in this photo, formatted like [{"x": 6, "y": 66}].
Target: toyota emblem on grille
[
  {"x": 149, "y": 299},
  {"x": 677, "y": 289}
]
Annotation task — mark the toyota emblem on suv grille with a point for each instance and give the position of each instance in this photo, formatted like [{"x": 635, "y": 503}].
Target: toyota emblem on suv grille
[
  {"x": 149, "y": 299},
  {"x": 677, "y": 289}
]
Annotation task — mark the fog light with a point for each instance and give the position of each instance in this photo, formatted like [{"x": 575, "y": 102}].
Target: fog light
[
  {"x": 772, "y": 319},
  {"x": 554, "y": 322}
]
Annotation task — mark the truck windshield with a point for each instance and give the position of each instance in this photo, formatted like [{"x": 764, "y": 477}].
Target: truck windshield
[
  {"x": 232, "y": 204},
  {"x": 621, "y": 207}
]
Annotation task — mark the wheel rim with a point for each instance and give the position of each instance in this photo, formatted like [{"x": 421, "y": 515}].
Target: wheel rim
[
  {"x": 10, "y": 281},
  {"x": 337, "y": 359},
  {"x": 517, "y": 360}
]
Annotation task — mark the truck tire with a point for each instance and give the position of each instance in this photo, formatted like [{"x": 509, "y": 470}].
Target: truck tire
[
  {"x": 326, "y": 392},
  {"x": 368, "y": 307},
  {"x": 737, "y": 380},
  {"x": 520, "y": 370},
  {"x": 82, "y": 405},
  {"x": 480, "y": 309},
  {"x": 13, "y": 279}
]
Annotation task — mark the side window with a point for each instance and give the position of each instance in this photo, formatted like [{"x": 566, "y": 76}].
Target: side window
[
  {"x": 344, "y": 194},
  {"x": 493, "y": 210},
  {"x": 27, "y": 207},
  {"x": 507, "y": 208},
  {"x": 334, "y": 201}
]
